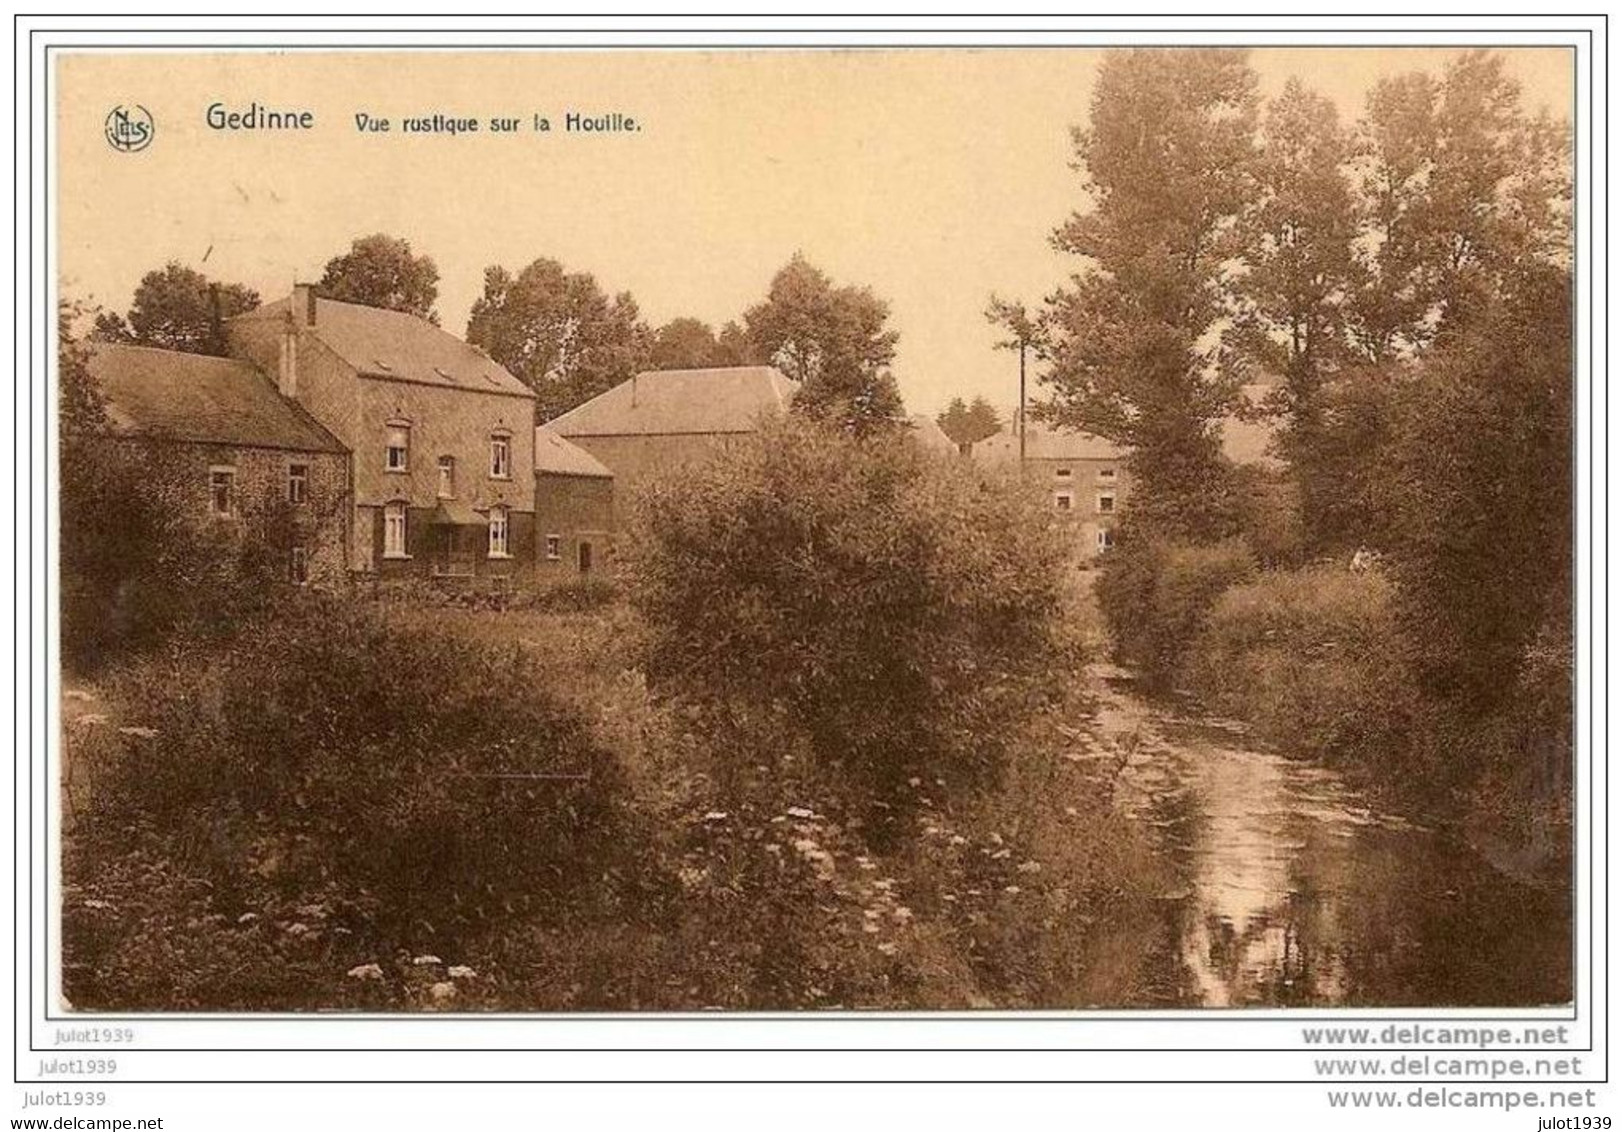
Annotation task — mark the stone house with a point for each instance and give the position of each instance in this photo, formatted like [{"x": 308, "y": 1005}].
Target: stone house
[
  {"x": 214, "y": 438},
  {"x": 1084, "y": 476},
  {"x": 574, "y": 509},
  {"x": 441, "y": 438},
  {"x": 662, "y": 419}
]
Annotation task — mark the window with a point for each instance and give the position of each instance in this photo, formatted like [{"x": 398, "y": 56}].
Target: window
[
  {"x": 498, "y": 532},
  {"x": 1106, "y": 538},
  {"x": 1107, "y": 474},
  {"x": 398, "y": 457},
  {"x": 298, "y": 566},
  {"x": 447, "y": 477},
  {"x": 1062, "y": 500},
  {"x": 222, "y": 487},
  {"x": 1106, "y": 503},
  {"x": 394, "y": 531},
  {"x": 554, "y": 547},
  {"x": 1062, "y": 473},
  {"x": 501, "y": 457},
  {"x": 298, "y": 483}
]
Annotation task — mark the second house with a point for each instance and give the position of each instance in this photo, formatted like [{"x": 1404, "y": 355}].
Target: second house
[{"x": 442, "y": 437}]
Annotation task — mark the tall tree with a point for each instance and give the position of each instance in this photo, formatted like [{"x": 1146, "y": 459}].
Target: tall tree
[
  {"x": 380, "y": 271},
  {"x": 733, "y": 348},
  {"x": 954, "y": 420},
  {"x": 1478, "y": 484},
  {"x": 968, "y": 424},
  {"x": 558, "y": 332},
  {"x": 1133, "y": 354},
  {"x": 1299, "y": 234},
  {"x": 983, "y": 420},
  {"x": 177, "y": 308},
  {"x": 684, "y": 343},
  {"x": 832, "y": 340},
  {"x": 1396, "y": 143}
]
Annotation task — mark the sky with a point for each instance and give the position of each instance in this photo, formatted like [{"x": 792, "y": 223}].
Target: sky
[{"x": 933, "y": 176}]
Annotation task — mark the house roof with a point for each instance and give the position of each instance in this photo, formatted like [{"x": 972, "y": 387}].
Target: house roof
[
  {"x": 1043, "y": 442},
  {"x": 1250, "y": 441},
  {"x": 928, "y": 432},
  {"x": 1243, "y": 441},
  {"x": 676, "y": 401},
  {"x": 173, "y": 396},
  {"x": 557, "y": 457},
  {"x": 395, "y": 346}
]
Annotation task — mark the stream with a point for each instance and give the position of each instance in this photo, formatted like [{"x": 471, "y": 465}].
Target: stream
[{"x": 1290, "y": 888}]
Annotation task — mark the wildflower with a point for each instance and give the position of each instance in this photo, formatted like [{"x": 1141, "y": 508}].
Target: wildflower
[
  {"x": 1030, "y": 867},
  {"x": 426, "y": 961},
  {"x": 442, "y": 992},
  {"x": 247, "y": 917},
  {"x": 367, "y": 971},
  {"x": 716, "y": 815},
  {"x": 461, "y": 972},
  {"x": 801, "y": 812}
]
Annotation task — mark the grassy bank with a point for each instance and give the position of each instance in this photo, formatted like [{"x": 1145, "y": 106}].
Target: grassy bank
[
  {"x": 1316, "y": 661},
  {"x": 339, "y": 832}
]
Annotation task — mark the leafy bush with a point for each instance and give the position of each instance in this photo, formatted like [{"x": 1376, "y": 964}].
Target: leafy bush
[
  {"x": 417, "y": 775},
  {"x": 1312, "y": 659},
  {"x": 890, "y": 609},
  {"x": 1156, "y": 592}
]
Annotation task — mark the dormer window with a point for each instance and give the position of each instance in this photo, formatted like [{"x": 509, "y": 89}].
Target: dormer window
[{"x": 397, "y": 456}]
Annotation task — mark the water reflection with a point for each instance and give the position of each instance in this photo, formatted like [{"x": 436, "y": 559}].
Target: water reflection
[{"x": 1291, "y": 890}]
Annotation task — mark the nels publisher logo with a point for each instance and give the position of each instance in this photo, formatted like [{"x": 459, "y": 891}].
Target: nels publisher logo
[{"x": 129, "y": 129}]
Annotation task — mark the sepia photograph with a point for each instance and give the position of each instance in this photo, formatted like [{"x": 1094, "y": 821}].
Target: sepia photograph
[{"x": 899, "y": 529}]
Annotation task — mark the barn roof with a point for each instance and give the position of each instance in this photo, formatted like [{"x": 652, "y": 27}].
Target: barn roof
[
  {"x": 730, "y": 399},
  {"x": 395, "y": 346},
  {"x": 169, "y": 395},
  {"x": 1043, "y": 442},
  {"x": 556, "y": 456},
  {"x": 928, "y": 432}
]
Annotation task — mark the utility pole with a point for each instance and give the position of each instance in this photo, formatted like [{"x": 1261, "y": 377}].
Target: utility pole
[
  {"x": 1023, "y": 333},
  {"x": 1022, "y": 345}
]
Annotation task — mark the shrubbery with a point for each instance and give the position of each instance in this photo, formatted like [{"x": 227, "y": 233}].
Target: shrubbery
[
  {"x": 889, "y": 610},
  {"x": 414, "y": 785},
  {"x": 1310, "y": 658},
  {"x": 1155, "y": 594}
]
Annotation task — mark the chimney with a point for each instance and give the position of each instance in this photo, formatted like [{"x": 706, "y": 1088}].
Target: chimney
[
  {"x": 303, "y": 305},
  {"x": 216, "y": 323},
  {"x": 287, "y": 359}
]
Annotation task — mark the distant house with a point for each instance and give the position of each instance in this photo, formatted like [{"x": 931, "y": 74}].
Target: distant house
[
  {"x": 662, "y": 419},
  {"x": 1084, "y": 476},
  {"x": 1250, "y": 442},
  {"x": 574, "y": 508},
  {"x": 219, "y": 443},
  {"x": 931, "y": 437},
  {"x": 441, "y": 437}
]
